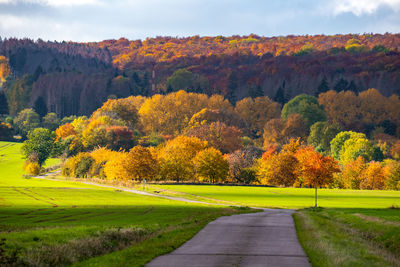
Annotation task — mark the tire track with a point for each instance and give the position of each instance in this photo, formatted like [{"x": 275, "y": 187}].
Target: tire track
[{"x": 35, "y": 198}]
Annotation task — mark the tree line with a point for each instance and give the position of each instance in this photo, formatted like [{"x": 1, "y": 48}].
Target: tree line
[{"x": 193, "y": 137}]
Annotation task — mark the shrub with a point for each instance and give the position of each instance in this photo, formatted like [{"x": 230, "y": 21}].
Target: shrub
[
  {"x": 83, "y": 166},
  {"x": 77, "y": 166},
  {"x": 32, "y": 168}
]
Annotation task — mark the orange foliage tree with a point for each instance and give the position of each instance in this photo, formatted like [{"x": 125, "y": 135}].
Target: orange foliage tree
[
  {"x": 351, "y": 173},
  {"x": 279, "y": 168},
  {"x": 65, "y": 131},
  {"x": 315, "y": 169},
  {"x": 373, "y": 177}
]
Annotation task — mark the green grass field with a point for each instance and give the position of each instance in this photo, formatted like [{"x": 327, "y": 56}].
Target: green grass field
[
  {"x": 293, "y": 198},
  {"x": 52, "y": 222}
]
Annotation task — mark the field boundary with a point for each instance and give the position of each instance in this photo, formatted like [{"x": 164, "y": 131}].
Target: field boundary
[{"x": 134, "y": 191}]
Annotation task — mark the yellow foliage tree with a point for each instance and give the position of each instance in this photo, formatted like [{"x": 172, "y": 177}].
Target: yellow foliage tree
[
  {"x": 101, "y": 156},
  {"x": 32, "y": 168},
  {"x": 4, "y": 69},
  {"x": 116, "y": 169},
  {"x": 352, "y": 173},
  {"x": 176, "y": 158},
  {"x": 124, "y": 109},
  {"x": 141, "y": 164},
  {"x": 171, "y": 113},
  {"x": 65, "y": 131},
  {"x": 256, "y": 112},
  {"x": 211, "y": 166}
]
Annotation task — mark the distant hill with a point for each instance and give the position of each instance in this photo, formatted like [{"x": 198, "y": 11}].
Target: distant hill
[{"x": 76, "y": 78}]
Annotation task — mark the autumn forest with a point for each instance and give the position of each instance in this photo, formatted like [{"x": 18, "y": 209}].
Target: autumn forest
[{"x": 276, "y": 111}]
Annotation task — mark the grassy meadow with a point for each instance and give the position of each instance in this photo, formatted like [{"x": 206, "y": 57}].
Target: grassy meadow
[
  {"x": 52, "y": 223},
  {"x": 292, "y": 198},
  {"x": 57, "y": 223}
]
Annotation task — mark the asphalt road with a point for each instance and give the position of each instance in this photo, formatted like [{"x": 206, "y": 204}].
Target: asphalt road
[{"x": 257, "y": 239}]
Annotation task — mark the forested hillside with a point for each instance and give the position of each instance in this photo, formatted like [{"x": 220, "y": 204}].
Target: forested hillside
[{"x": 76, "y": 78}]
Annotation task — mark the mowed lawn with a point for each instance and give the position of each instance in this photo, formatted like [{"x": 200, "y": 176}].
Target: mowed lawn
[
  {"x": 293, "y": 198},
  {"x": 56, "y": 223}
]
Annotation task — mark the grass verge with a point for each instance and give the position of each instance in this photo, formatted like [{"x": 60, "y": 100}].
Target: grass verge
[{"x": 341, "y": 237}]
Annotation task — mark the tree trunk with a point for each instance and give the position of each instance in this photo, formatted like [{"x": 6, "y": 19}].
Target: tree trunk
[{"x": 316, "y": 197}]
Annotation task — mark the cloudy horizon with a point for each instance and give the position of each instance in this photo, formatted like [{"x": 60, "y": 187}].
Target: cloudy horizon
[{"x": 96, "y": 20}]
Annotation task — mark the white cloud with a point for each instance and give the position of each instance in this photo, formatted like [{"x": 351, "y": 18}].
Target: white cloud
[
  {"x": 46, "y": 29},
  {"x": 71, "y": 2},
  {"x": 360, "y": 7},
  {"x": 54, "y": 3}
]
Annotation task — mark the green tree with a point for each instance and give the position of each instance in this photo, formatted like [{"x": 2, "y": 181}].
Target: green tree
[
  {"x": 321, "y": 134},
  {"x": 68, "y": 119},
  {"x": 40, "y": 143},
  {"x": 26, "y": 121},
  {"x": 379, "y": 48},
  {"x": 18, "y": 93},
  {"x": 337, "y": 143},
  {"x": 51, "y": 121},
  {"x": 84, "y": 165},
  {"x": 305, "y": 50},
  {"x": 356, "y": 147},
  {"x": 308, "y": 108},
  {"x": 181, "y": 79}
]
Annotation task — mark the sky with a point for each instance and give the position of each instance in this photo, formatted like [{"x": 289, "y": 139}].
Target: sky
[{"x": 96, "y": 20}]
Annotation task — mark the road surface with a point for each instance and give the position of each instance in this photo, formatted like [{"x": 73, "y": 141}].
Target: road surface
[{"x": 257, "y": 239}]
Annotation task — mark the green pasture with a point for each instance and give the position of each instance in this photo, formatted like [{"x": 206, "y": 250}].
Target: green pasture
[
  {"x": 42, "y": 221},
  {"x": 293, "y": 198}
]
